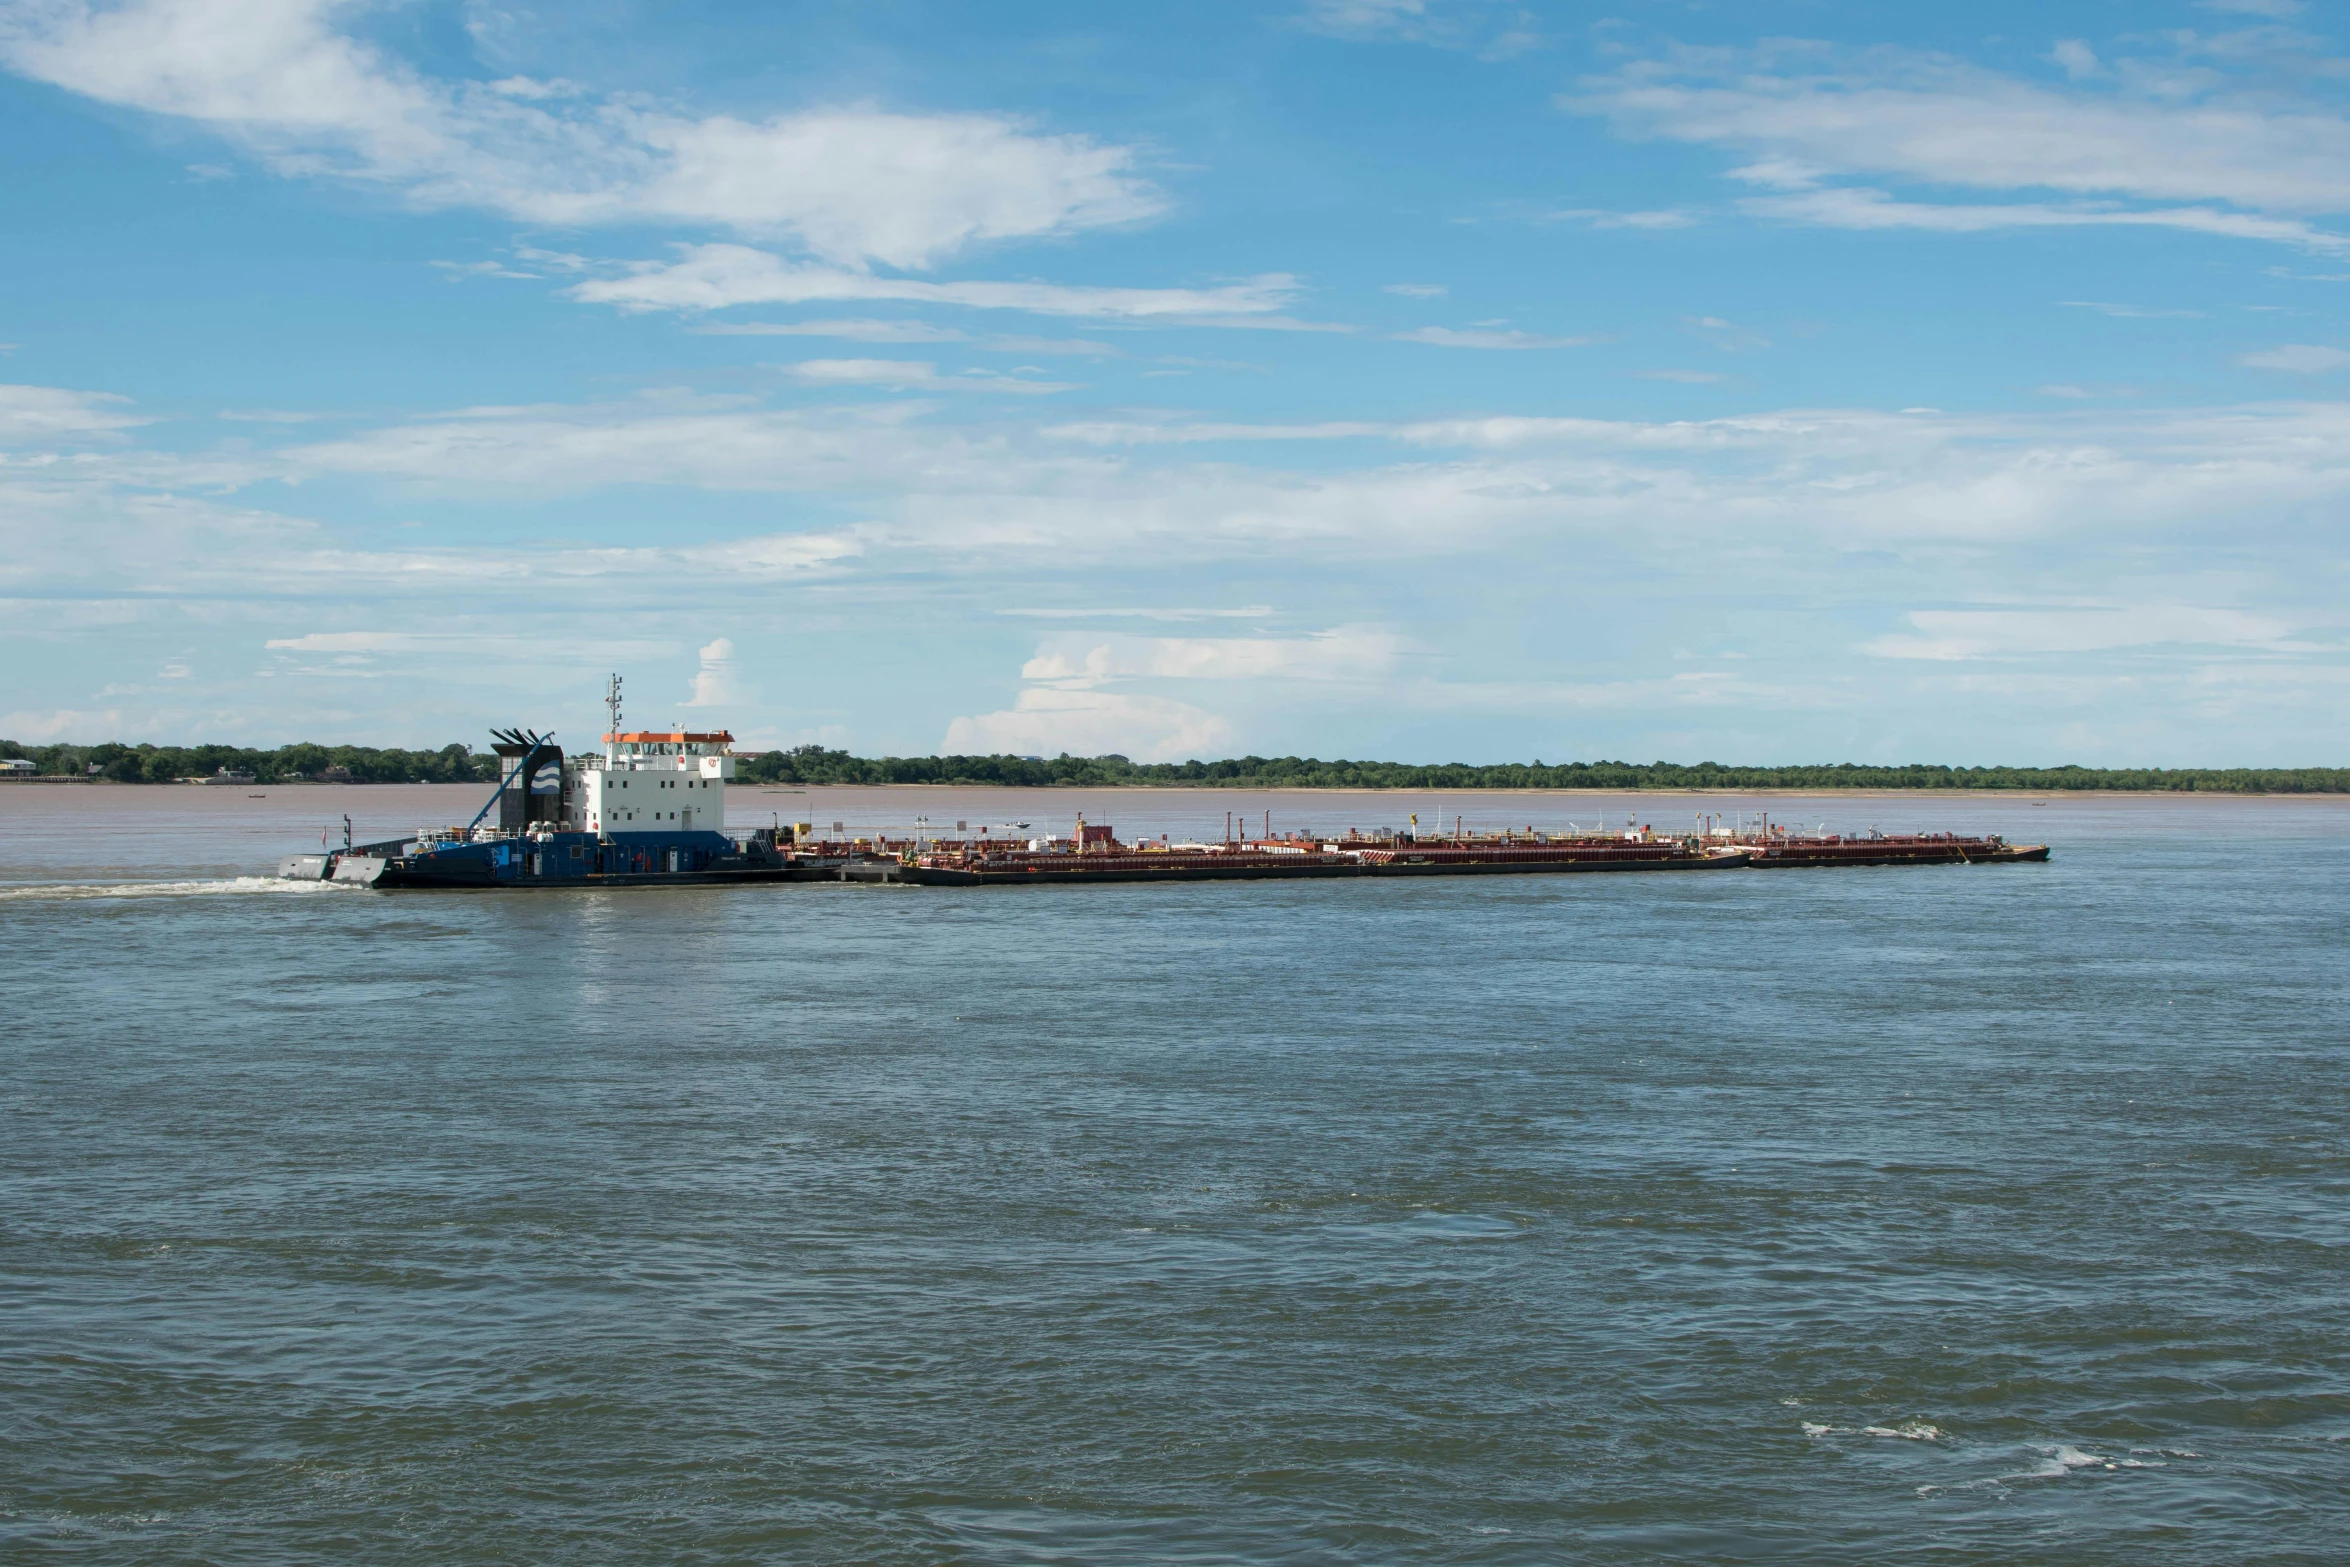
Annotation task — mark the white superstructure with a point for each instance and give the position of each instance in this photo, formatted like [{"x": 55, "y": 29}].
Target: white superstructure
[{"x": 651, "y": 781}]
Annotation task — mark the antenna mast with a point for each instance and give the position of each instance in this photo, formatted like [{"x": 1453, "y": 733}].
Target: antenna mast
[{"x": 612, "y": 712}]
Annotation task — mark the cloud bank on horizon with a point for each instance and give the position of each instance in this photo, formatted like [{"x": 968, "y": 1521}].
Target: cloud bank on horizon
[{"x": 1752, "y": 388}]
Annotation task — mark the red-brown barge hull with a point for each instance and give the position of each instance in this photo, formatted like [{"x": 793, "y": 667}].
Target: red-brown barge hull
[
  {"x": 1497, "y": 861},
  {"x": 1101, "y": 857}
]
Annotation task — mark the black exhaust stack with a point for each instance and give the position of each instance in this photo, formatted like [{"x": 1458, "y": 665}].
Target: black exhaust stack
[{"x": 532, "y": 792}]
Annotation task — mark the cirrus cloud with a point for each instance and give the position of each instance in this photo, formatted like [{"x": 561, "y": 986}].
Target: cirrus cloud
[
  {"x": 1494, "y": 337},
  {"x": 715, "y": 277},
  {"x": 31, "y": 415},
  {"x": 2297, "y": 359},
  {"x": 2245, "y": 163},
  {"x": 1957, "y": 634}
]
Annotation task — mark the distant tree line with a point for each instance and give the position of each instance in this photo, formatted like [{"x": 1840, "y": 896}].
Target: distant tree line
[
  {"x": 285, "y": 764},
  {"x": 810, "y": 764}
]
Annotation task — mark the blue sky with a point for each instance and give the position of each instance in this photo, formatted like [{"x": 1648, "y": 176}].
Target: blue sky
[{"x": 1435, "y": 380}]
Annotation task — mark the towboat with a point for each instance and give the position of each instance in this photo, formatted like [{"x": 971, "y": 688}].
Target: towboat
[{"x": 649, "y": 811}]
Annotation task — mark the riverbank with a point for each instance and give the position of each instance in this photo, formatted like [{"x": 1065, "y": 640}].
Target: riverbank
[{"x": 812, "y": 767}]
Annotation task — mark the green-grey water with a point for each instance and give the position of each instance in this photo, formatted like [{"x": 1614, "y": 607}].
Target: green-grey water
[{"x": 1980, "y": 1214}]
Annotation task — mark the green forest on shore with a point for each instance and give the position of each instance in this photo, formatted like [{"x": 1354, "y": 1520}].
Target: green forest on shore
[{"x": 810, "y": 764}]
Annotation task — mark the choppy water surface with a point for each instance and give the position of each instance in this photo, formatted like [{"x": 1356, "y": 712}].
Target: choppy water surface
[{"x": 1963, "y": 1215}]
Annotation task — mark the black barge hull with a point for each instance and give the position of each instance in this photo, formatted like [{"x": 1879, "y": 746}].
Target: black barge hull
[{"x": 391, "y": 876}]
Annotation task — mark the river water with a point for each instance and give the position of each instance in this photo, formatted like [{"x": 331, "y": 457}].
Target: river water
[{"x": 1981, "y": 1214}]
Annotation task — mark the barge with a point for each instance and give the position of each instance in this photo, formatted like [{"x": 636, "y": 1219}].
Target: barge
[
  {"x": 1791, "y": 851},
  {"x": 651, "y": 811},
  {"x": 1772, "y": 847},
  {"x": 1095, "y": 854}
]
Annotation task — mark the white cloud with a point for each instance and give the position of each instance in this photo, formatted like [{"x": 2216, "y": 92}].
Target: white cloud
[
  {"x": 2011, "y": 633},
  {"x": 42, "y": 414},
  {"x": 715, "y": 277},
  {"x": 1047, "y": 720},
  {"x": 861, "y": 331},
  {"x": 911, "y": 512},
  {"x": 2130, "y": 312},
  {"x": 1245, "y": 612},
  {"x": 2275, "y": 10},
  {"x": 1068, "y": 701},
  {"x": 1504, "y": 338},
  {"x": 932, "y": 496},
  {"x": 1346, "y": 653},
  {"x": 1109, "y": 433},
  {"x": 175, "y": 546},
  {"x": 360, "y": 647},
  {"x": 910, "y": 375},
  {"x": 2297, "y": 358},
  {"x": 848, "y": 184},
  {"x": 1600, "y": 218},
  {"x": 1860, "y": 208},
  {"x": 2246, "y": 162},
  {"x": 568, "y": 447},
  {"x": 448, "y": 572},
  {"x": 1494, "y": 31},
  {"x": 459, "y": 271},
  {"x": 760, "y": 558},
  {"x": 1727, "y": 336},
  {"x": 1366, "y": 18},
  {"x": 352, "y": 642},
  {"x": 1086, "y": 348},
  {"x": 907, "y": 190},
  {"x": 719, "y": 683},
  {"x": 91, "y": 529},
  {"x": 552, "y": 260},
  {"x": 1416, "y": 290},
  {"x": 1842, "y": 474},
  {"x": 901, "y": 331},
  {"x": 1933, "y": 119},
  {"x": 63, "y": 724},
  {"x": 2077, "y": 58}
]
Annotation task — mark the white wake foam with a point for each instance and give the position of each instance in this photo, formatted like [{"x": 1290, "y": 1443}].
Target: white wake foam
[
  {"x": 1907, "y": 1431},
  {"x": 2060, "y": 1459},
  {"x": 272, "y": 885}
]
